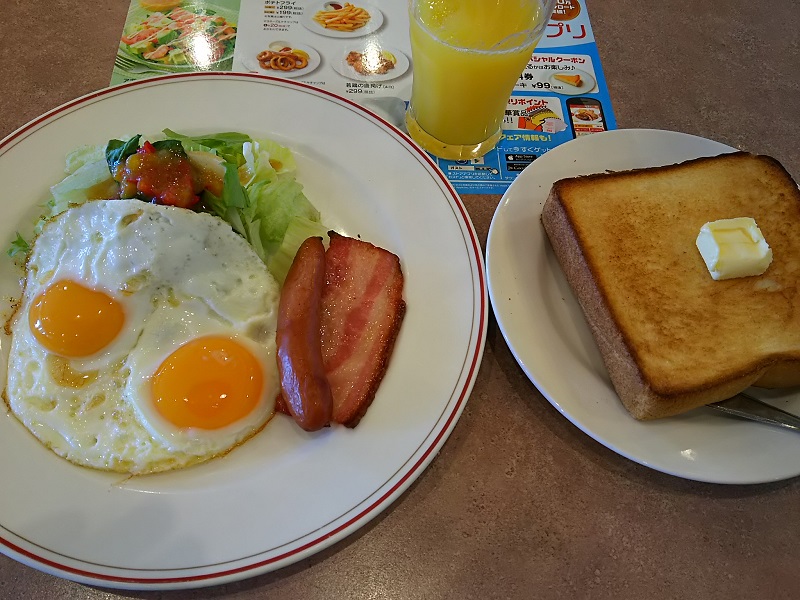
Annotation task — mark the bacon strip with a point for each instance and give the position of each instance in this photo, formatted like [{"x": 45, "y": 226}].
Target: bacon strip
[{"x": 362, "y": 310}]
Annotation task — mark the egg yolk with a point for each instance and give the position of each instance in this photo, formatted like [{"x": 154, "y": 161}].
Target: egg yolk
[
  {"x": 73, "y": 320},
  {"x": 207, "y": 383}
]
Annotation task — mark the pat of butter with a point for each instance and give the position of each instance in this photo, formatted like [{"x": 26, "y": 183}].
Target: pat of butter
[{"x": 733, "y": 248}]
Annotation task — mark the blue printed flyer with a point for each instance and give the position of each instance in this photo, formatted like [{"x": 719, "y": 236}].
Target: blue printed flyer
[{"x": 366, "y": 58}]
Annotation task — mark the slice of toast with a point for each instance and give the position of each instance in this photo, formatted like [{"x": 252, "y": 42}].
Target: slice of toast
[{"x": 672, "y": 337}]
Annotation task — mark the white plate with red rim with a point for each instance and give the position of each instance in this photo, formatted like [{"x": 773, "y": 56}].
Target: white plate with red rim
[
  {"x": 285, "y": 494},
  {"x": 547, "y": 333},
  {"x": 372, "y": 25}
]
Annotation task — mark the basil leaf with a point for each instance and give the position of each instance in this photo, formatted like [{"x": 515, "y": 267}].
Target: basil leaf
[
  {"x": 117, "y": 151},
  {"x": 173, "y": 146}
]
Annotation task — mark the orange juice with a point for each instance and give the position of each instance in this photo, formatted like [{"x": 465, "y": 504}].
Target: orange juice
[{"x": 467, "y": 57}]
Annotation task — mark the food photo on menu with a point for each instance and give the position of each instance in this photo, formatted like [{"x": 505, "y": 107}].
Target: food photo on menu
[{"x": 168, "y": 35}]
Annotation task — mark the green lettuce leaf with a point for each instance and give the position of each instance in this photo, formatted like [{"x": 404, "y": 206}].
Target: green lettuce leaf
[
  {"x": 83, "y": 155},
  {"x": 261, "y": 198},
  {"x": 228, "y": 144},
  {"x": 18, "y": 247},
  {"x": 75, "y": 187},
  {"x": 297, "y": 232},
  {"x": 258, "y": 201}
]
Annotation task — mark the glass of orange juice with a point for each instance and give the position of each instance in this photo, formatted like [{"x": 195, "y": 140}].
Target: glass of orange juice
[{"x": 468, "y": 54}]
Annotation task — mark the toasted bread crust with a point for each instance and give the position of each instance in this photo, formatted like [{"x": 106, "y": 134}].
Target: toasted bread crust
[{"x": 671, "y": 337}]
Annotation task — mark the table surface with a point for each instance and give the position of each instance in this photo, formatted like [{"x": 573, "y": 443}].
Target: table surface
[{"x": 520, "y": 503}]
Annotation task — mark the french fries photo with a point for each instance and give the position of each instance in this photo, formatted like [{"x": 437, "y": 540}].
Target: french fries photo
[{"x": 347, "y": 18}]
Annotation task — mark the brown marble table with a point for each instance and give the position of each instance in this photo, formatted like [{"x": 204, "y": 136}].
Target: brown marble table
[{"x": 520, "y": 503}]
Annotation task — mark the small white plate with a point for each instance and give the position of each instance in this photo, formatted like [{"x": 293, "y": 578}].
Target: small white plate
[
  {"x": 374, "y": 23},
  {"x": 566, "y": 89},
  {"x": 251, "y": 62},
  {"x": 285, "y": 494},
  {"x": 545, "y": 328},
  {"x": 344, "y": 69}
]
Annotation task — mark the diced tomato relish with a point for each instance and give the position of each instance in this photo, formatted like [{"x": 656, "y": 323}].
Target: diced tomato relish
[{"x": 162, "y": 176}]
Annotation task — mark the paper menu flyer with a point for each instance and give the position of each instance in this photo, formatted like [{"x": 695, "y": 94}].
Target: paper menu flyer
[
  {"x": 366, "y": 57},
  {"x": 386, "y": 31}
]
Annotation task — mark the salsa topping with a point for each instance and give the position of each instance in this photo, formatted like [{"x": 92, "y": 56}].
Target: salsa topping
[{"x": 162, "y": 175}]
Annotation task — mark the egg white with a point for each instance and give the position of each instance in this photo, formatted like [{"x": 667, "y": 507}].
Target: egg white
[{"x": 178, "y": 275}]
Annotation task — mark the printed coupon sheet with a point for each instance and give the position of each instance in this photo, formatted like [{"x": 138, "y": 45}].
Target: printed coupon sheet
[{"x": 367, "y": 58}]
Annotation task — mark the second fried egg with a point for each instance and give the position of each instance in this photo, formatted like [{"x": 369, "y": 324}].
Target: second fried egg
[{"x": 145, "y": 338}]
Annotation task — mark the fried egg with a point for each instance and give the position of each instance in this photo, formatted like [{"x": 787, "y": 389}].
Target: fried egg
[{"x": 145, "y": 338}]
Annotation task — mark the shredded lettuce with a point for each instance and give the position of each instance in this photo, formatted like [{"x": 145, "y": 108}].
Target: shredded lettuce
[
  {"x": 298, "y": 231},
  {"x": 228, "y": 145},
  {"x": 74, "y": 188},
  {"x": 280, "y": 157},
  {"x": 19, "y": 247},
  {"x": 82, "y": 156},
  {"x": 260, "y": 195},
  {"x": 231, "y": 202},
  {"x": 276, "y": 202},
  {"x": 261, "y": 198}
]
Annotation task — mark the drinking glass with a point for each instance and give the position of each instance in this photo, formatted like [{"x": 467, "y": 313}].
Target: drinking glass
[{"x": 468, "y": 54}]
